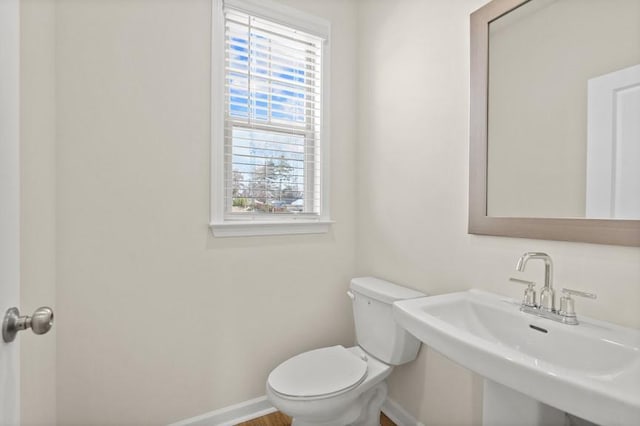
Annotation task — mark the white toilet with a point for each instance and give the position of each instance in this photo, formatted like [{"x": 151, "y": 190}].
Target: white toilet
[{"x": 337, "y": 386}]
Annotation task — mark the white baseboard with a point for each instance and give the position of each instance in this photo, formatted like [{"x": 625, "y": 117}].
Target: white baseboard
[
  {"x": 258, "y": 407},
  {"x": 399, "y": 415},
  {"x": 231, "y": 415}
]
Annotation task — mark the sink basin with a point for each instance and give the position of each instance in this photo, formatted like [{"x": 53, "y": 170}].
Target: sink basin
[{"x": 591, "y": 370}]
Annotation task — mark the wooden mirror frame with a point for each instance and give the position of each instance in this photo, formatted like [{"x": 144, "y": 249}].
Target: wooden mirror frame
[{"x": 600, "y": 231}]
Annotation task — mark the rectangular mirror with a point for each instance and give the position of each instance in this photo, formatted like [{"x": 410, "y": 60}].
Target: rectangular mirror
[{"x": 555, "y": 128}]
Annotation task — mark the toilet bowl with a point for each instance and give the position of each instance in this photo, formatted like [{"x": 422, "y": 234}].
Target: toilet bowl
[
  {"x": 337, "y": 386},
  {"x": 330, "y": 402}
]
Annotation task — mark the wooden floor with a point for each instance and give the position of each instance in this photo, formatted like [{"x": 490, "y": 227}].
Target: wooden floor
[{"x": 279, "y": 419}]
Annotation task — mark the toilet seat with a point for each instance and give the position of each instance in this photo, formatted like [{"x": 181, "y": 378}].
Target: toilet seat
[{"x": 321, "y": 373}]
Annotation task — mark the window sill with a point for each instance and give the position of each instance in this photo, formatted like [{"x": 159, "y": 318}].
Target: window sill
[{"x": 263, "y": 228}]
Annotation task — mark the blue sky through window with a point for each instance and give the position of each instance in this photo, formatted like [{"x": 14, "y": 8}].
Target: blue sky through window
[{"x": 260, "y": 83}]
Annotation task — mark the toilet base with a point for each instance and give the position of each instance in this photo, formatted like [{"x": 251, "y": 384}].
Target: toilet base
[{"x": 365, "y": 411}]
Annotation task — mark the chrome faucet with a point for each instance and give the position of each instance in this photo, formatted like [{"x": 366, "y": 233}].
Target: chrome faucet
[
  {"x": 566, "y": 314},
  {"x": 547, "y": 295}
]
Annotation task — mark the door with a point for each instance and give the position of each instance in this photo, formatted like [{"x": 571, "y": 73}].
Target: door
[
  {"x": 613, "y": 145},
  {"x": 9, "y": 203}
]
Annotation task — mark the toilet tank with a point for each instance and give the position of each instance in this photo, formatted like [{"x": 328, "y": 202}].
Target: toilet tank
[{"x": 376, "y": 331}]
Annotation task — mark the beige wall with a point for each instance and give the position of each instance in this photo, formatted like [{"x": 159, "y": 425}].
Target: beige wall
[
  {"x": 157, "y": 320},
  {"x": 412, "y": 194},
  {"x": 537, "y": 115},
  {"x": 37, "y": 154}
]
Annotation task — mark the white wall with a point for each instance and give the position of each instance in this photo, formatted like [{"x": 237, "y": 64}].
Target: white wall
[
  {"x": 157, "y": 320},
  {"x": 37, "y": 174},
  {"x": 412, "y": 195}
]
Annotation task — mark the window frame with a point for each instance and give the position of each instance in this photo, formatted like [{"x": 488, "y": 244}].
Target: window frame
[{"x": 223, "y": 224}]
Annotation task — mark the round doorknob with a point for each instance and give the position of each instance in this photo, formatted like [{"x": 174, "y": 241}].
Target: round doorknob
[{"x": 40, "y": 322}]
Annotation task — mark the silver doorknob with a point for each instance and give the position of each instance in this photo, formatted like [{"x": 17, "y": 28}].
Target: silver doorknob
[{"x": 40, "y": 322}]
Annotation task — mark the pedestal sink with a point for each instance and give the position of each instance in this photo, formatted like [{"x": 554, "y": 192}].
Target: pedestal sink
[{"x": 591, "y": 370}]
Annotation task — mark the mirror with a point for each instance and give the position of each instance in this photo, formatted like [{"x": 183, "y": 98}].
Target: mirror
[
  {"x": 548, "y": 110},
  {"x": 555, "y": 134}
]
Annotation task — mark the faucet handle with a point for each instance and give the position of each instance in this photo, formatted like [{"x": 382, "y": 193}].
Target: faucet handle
[
  {"x": 567, "y": 305},
  {"x": 571, "y": 292},
  {"x": 529, "y": 293},
  {"x": 519, "y": 281}
]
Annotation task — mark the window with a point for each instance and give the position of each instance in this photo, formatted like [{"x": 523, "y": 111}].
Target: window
[{"x": 269, "y": 130}]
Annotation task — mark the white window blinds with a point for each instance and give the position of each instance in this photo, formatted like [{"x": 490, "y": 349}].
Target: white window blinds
[{"x": 272, "y": 125}]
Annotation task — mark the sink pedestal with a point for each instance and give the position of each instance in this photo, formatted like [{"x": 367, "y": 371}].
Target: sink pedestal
[{"x": 503, "y": 406}]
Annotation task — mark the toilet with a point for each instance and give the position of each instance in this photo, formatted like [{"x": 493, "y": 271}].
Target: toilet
[{"x": 338, "y": 386}]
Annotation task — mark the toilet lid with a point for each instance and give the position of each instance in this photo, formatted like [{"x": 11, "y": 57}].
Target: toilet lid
[{"x": 318, "y": 372}]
